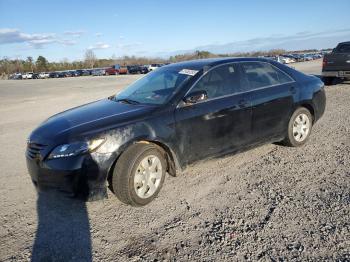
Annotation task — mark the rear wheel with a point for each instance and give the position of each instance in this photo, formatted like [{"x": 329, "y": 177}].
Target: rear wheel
[
  {"x": 299, "y": 128},
  {"x": 139, "y": 174}
]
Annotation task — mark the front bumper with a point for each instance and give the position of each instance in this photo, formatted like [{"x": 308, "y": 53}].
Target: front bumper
[{"x": 84, "y": 176}]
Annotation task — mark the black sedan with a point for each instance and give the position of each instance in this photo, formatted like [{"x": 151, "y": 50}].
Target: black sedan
[{"x": 174, "y": 116}]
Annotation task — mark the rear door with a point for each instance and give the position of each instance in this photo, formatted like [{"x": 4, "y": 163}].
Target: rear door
[
  {"x": 219, "y": 124},
  {"x": 272, "y": 94}
]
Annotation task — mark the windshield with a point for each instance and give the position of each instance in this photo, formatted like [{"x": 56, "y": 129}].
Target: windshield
[{"x": 155, "y": 88}]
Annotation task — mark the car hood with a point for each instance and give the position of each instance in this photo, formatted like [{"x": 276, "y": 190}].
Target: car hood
[{"x": 86, "y": 120}]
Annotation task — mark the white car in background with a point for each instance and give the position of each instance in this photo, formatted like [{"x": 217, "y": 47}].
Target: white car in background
[
  {"x": 28, "y": 75},
  {"x": 285, "y": 60},
  {"x": 44, "y": 75},
  {"x": 153, "y": 67}
]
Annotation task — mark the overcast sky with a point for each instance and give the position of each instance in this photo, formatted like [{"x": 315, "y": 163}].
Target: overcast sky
[{"x": 66, "y": 29}]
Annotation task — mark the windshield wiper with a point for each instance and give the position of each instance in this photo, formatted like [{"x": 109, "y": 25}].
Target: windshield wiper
[{"x": 127, "y": 101}]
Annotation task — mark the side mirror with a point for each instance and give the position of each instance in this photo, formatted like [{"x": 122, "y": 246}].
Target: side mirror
[{"x": 196, "y": 97}]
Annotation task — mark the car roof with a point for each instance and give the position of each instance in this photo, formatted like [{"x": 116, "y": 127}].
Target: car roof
[{"x": 210, "y": 62}]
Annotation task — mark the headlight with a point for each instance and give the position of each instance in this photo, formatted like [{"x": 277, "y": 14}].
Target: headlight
[{"x": 75, "y": 148}]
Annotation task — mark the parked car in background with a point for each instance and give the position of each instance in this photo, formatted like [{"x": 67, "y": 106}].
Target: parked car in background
[
  {"x": 298, "y": 57},
  {"x": 123, "y": 70},
  {"x": 61, "y": 74},
  {"x": 35, "y": 76},
  {"x": 98, "y": 72},
  {"x": 134, "y": 69},
  {"x": 175, "y": 116},
  {"x": 44, "y": 75},
  {"x": 137, "y": 69},
  {"x": 15, "y": 76},
  {"x": 57, "y": 75},
  {"x": 295, "y": 57},
  {"x": 316, "y": 56},
  {"x": 274, "y": 58},
  {"x": 286, "y": 60},
  {"x": 153, "y": 67},
  {"x": 144, "y": 69},
  {"x": 82, "y": 72},
  {"x": 53, "y": 75},
  {"x": 67, "y": 73},
  {"x": 113, "y": 70},
  {"x": 308, "y": 57},
  {"x": 337, "y": 63},
  {"x": 73, "y": 73},
  {"x": 89, "y": 71},
  {"x": 28, "y": 75}
]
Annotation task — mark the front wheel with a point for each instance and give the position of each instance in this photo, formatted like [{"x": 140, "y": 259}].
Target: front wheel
[
  {"x": 139, "y": 174},
  {"x": 299, "y": 128},
  {"x": 328, "y": 80}
]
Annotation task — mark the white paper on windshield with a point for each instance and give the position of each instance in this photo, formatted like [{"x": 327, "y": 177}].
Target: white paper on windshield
[{"x": 188, "y": 72}]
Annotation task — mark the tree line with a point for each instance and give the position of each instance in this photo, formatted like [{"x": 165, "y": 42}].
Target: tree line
[{"x": 41, "y": 64}]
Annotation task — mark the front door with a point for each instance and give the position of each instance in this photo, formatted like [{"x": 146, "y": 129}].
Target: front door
[{"x": 219, "y": 124}]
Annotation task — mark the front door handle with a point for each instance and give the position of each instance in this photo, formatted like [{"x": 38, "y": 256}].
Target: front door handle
[
  {"x": 243, "y": 103},
  {"x": 293, "y": 90}
]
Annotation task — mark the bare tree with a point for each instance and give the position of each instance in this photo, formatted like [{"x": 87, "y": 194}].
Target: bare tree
[{"x": 90, "y": 58}]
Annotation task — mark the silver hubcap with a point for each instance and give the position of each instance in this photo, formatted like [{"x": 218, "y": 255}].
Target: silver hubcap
[
  {"x": 148, "y": 176},
  {"x": 301, "y": 127}
]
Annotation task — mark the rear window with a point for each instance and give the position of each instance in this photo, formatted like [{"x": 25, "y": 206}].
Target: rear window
[
  {"x": 261, "y": 75},
  {"x": 343, "y": 48}
]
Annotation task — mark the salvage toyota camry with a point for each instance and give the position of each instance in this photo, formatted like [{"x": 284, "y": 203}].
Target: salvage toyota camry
[{"x": 170, "y": 118}]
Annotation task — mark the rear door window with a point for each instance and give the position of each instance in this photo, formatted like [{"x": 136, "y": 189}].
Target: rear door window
[{"x": 260, "y": 74}]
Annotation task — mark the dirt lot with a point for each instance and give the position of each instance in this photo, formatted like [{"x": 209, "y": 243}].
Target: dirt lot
[{"x": 270, "y": 203}]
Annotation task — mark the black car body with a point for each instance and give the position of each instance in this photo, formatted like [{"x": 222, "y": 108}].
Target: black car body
[
  {"x": 134, "y": 69},
  {"x": 67, "y": 73},
  {"x": 74, "y": 73},
  {"x": 243, "y": 108},
  {"x": 143, "y": 69},
  {"x": 16, "y": 76},
  {"x": 35, "y": 76},
  {"x": 57, "y": 75},
  {"x": 70, "y": 73},
  {"x": 53, "y": 75},
  {"x": 298, "y": 57},
  {"x": 137, "y": 69},
  {"x": 81, "y": 72},
  {"x": 337, "y": 63},
  {"x": 61, "y": 74}
]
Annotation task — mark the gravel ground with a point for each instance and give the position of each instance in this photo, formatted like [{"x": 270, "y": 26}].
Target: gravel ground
[{"x": 271, "y": 203}]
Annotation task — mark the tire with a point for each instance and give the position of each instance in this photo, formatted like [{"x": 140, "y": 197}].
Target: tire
[
  {"x": 297, "y": 126},
  {"x": 131, "y": 180},
  {"x": 328, "y": 80}
]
